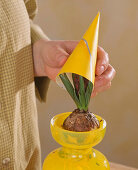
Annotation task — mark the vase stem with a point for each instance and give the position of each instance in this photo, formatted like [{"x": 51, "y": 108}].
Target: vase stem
[{"x": 75, "y": 153}]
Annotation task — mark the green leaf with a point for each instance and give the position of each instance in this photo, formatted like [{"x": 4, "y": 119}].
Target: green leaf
[
  {"x": 82, "y": 93},
  {"x": 88, "y": 93},
  {"x": 73, "y": 78},
  {"x": 74, "y": 94},
  {"x": 69, "y": 88}
]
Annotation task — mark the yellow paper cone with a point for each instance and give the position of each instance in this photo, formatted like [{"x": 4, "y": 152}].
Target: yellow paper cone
[{"x": 82, "y": 61}]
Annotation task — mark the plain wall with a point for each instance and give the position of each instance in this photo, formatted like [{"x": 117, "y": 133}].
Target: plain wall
[{"x": 69, "y": 19}]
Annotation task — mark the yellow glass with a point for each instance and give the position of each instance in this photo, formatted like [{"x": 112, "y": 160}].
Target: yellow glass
[{"x": 76, "y": 152}]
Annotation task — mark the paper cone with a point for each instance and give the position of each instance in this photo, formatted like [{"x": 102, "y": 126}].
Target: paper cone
[{"x": 82, "y": 61}]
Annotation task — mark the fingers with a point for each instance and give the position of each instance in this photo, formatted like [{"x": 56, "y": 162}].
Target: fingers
[
  {"x": 59, "y": 51},
  {"x": 103, "y": 82},
  {"x": 60, "y": 58},
  {"x": 52, "y": 72},
  {"x": 106, "y": 77},
  {"x": 69, "y": 46},
  {"x": 63, "y": 52},
  {"x": 100, "y": 89},
  {"x": 53, "y": 54},
  {"x": 102, "y": 61}
]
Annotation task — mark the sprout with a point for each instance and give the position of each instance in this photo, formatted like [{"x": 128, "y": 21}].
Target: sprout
[{"x": 80, "y": 91}]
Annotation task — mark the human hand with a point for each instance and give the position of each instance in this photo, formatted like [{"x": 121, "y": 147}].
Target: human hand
[
  {"x": 104, "y": 72},
  {"x": 50, "y": 56}
]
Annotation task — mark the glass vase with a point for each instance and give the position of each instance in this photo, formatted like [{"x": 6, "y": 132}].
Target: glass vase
[{"x": 76, "y": 152}]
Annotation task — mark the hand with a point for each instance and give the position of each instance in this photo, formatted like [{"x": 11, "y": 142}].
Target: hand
[
  {"x": 50, "y": 56},
  {"x": 104, "y": 72}
]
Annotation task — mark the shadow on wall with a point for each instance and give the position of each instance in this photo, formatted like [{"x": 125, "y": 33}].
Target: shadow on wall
[{"x": 118, "y": 35}]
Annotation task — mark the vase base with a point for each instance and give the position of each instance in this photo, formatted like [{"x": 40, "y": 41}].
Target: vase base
[{"x": 59, "y": 160}]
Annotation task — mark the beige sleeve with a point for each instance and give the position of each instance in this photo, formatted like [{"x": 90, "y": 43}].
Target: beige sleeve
[{"x": 41, "y": 83}]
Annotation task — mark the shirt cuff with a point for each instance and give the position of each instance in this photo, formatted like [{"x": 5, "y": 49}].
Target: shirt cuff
[
  {"x": 41, "y": 83},
  {"x": 41, "y": 88}
]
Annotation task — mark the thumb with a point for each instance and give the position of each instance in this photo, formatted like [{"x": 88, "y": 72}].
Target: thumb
[
  {"x": 66, "y": 48},
  {"x": 70, "y": 45},
  {"x": 55, "y": 55}
]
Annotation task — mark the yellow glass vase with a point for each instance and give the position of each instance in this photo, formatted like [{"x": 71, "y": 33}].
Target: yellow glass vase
[{"x": 76, "y": 152}]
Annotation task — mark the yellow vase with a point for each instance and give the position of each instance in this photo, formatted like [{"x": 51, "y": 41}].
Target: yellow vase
[{"x": 76, "y": 152}]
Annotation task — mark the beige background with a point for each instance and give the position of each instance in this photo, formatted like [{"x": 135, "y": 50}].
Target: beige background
[{"x": 68, "y": 19}]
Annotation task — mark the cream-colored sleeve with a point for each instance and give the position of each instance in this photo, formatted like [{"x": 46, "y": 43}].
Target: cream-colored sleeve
[{"x": 41, "y": 83}]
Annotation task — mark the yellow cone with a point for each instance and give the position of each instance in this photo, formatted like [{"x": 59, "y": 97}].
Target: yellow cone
[{"x": 83, "y": 59}]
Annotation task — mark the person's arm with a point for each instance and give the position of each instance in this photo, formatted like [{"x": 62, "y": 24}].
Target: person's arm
[{"x": 41, "y": 83}]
